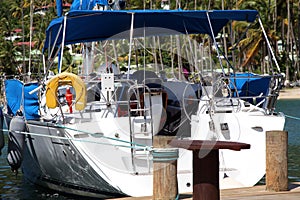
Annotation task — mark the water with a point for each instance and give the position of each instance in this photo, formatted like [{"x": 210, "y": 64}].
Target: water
[
  {"x": 15, "y": 187},
  {"x": 292, "y": 108}
]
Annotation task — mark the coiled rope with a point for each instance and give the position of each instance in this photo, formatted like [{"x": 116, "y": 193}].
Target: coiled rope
[{"x": 165, "y": 154}]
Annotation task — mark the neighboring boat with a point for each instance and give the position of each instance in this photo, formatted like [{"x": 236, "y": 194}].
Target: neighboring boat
[
  {"x": 2, "y": 141},
  {"x": 92, "y": 135}
]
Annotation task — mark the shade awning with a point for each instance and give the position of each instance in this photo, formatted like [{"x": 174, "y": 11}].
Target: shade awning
[{"x": 91, "y": 25}]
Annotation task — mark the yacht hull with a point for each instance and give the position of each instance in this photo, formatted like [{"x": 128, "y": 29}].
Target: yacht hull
[{"x": 58, "y": 165}]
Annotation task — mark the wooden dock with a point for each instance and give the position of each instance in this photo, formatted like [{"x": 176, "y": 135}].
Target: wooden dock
[
  {"x": 206, "y": 187},
  {"x": 257, "y": 192}
]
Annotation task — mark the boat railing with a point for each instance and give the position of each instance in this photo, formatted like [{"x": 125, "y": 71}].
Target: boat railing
[
  {"x": 118, "y": 98},
  {"x": 140, "y": 120},
  {"x": 225, "y": 95},
  {"x": 275, "y": 85}
]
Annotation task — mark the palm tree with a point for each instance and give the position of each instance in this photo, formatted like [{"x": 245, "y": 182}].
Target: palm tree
[
  {"x": 8, "y": 51},
  {"x": 250, "y": 47}
]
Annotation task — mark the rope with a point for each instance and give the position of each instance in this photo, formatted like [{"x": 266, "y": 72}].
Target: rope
[
  {"x": 292, "y": 117},
  {"x": 78, "y": 140}
]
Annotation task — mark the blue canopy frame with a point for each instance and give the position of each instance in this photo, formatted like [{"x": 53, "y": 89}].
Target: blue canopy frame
[{"x": 93, "y": 25}]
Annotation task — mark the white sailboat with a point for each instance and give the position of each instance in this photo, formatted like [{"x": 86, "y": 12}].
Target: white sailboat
[{"x": 92, "y": 135}]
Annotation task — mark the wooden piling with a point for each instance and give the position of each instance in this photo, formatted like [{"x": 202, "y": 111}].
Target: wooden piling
[
  {"x": 164, "y": 169},
  {"x": 276, "y": 161}
]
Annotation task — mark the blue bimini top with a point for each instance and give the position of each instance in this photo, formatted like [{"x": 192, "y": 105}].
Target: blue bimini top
[{"x": 95, "y": 25}]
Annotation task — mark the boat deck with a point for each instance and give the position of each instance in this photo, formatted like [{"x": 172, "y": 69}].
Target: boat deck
[{"x": 257, "y": 192}]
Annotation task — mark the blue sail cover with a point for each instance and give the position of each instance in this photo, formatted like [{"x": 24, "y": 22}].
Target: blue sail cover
[
  {"x": 250, "y": 85},
  {"x": 93, "y": 25},
  {"x": 17, "y": 95},
  {"x": 31, "y": 101},
  {"x": 13, "y": 93}
]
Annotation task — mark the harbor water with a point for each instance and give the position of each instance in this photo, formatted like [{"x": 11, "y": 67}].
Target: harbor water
[{"x": 16, "y": 187}]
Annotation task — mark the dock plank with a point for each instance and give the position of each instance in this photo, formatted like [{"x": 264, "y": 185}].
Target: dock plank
[{"x": 258, "y": 192}]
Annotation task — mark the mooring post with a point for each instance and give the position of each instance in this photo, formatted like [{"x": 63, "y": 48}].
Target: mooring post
[
  {"x": 206, "y": 168},
  {"x": 164, "y": 169},
  {"x": 276, "y": 161}
]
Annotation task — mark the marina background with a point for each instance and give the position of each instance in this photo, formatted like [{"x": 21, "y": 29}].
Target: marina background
[{"x": 16, "y": 187}]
